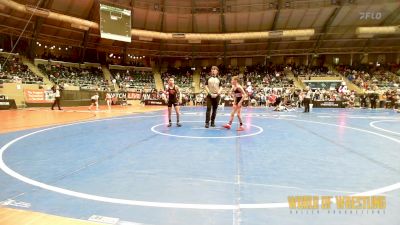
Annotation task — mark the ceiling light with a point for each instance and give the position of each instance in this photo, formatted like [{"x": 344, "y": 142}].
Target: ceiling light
[{"x": 377, "y": 30}]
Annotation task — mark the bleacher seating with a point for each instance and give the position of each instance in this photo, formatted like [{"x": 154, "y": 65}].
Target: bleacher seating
[
  {"x": 85, "y": 78},
  {"x": 14, "y": 71},
  {"x": 183, "y": 76},
  {"x": 133, "y": 79},
  {"x": 372, "y": 77}
]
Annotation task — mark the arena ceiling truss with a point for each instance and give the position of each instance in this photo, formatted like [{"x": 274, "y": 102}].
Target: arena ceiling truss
[{"x": 216, "y": 28}]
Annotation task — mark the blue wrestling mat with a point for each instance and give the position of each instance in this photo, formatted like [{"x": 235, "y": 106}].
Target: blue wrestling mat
[{"x": 135, "y": 170}]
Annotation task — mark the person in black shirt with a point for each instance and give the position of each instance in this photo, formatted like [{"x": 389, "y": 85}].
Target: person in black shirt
[
  {"x": 373, "y": 99},
  {"x": 392, "y": 100},
  {"x": 174, "y": 99},
  {"x": 363, "y": 102}
]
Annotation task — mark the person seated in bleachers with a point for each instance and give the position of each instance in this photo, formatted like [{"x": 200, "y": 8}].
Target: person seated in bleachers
[{"x": 15, "y": 71}]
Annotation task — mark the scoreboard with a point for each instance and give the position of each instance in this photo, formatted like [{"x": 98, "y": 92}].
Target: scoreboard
[{"x": 115, "y": 23}]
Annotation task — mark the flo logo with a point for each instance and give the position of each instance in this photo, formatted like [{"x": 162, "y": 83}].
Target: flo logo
[{"x": 371, "y": 15}]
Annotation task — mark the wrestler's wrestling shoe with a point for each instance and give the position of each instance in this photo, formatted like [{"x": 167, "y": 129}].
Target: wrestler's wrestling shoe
[
  {"x": 227, "y": 126},
  {"x": 241, "y": 128}
]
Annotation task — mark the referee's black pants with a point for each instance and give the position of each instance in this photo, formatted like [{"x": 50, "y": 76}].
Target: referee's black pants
[
  {"x": 373, "y": 104},
  {"x": 212, "y": 104},
  {"x": 307, "y": 102},
  {"x": 363, "y": 103},
  {"x": 56, "y": 102}
]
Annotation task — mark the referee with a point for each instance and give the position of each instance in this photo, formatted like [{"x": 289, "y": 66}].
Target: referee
[
  {"x": 307, "y": 99},
  {"x": 57, "y": 96},
  {"x": 213, "y": 90}
]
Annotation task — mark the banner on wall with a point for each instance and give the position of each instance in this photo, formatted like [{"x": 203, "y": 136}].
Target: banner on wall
[
  {"x": 126, "y": 95},
  {"x": 47, "y": 96},
  {"x": 154, "y": 102},
  {"x": 150, "y": 96},
  {"x": 39, "y": 96},
  {"x": 134, "y": 95},
  {"x": 328, "y": 104}
]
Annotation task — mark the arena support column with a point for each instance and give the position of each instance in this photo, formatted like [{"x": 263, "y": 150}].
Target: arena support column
[
  {"x": 125, "y": 54},
  {"x": 92, "y": 12},
  {"x": 193, "y": 4},
  {"x": 126, "y": 45},
  {"x": 326, "y": 25},
  {"x": 223, "y": 29},
  {"x": 11, "y": 41},
  {"x": 160, "y": 50},
  {"x": 351, "y": 59},
  {"x": 36, "y": 29},
  {"x": 274, "y": 22}
]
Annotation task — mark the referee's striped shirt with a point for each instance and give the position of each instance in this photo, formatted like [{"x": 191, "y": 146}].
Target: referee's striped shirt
[{"x": 213, "y": 85}]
